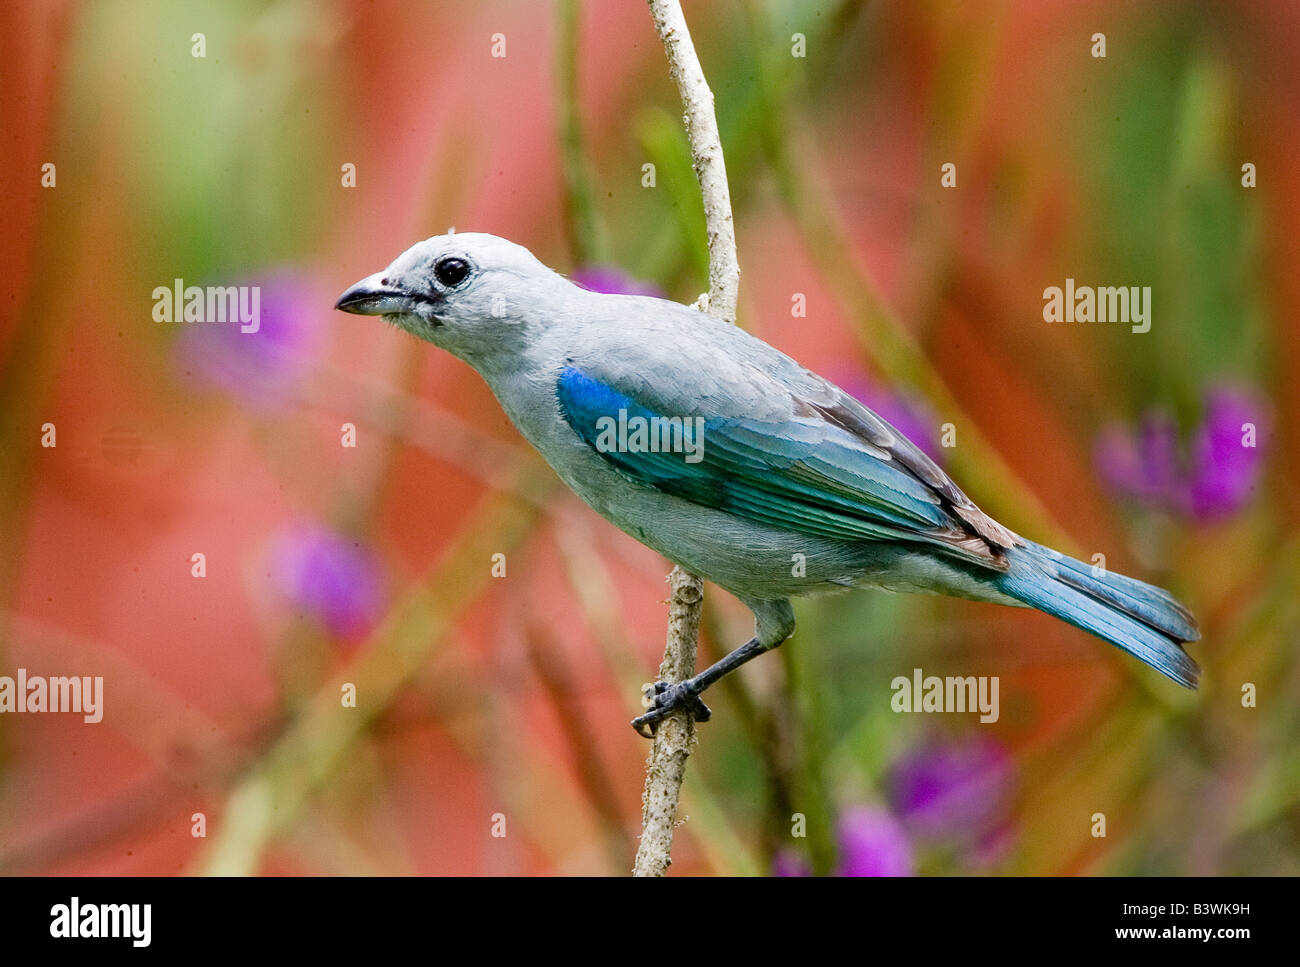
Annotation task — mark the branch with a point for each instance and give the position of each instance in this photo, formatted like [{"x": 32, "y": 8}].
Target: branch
[
  {"x": 675, "y": 738},
  {"x": 706, "y": 155}
]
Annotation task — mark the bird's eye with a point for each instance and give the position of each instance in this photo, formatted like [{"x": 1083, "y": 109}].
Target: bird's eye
[{"x": 451, "y": 271}]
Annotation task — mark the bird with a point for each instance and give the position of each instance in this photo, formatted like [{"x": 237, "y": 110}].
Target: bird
[{"x": 732, "y": 460}]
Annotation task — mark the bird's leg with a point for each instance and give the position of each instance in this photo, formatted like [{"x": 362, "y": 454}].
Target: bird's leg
[
  {"x": 773, "y": 624},
  {"x": 670, "y": 698}
]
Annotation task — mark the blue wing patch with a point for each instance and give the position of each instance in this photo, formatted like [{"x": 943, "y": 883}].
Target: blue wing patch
[{"x": 806, "y": 475}]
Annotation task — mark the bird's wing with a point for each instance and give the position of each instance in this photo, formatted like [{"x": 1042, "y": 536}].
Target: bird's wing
[{"x": 780, "y": 445}]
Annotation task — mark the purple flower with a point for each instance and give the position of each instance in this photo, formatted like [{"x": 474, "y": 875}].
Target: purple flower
[
  {"x": 261, "y": 368},
  {"x": 1215, "y": 474},
  {"x": 789, "y": 863},
  {"x": 908, "y": 414},
  {"x": 612, "y": 281},
  {"x": 328, "y": 577},
  {"x": 955, "y": 789},
  {"x": 1224, "y": 469},
  {"x": 872, "y": 843},
  {"x": 1142, "y": 465}
]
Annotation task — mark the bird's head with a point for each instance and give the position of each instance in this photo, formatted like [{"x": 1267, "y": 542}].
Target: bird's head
[{"x": 468, "y": 293}]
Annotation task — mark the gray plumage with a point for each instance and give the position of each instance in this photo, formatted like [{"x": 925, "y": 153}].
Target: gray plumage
[{"x": 792, "y": 465}]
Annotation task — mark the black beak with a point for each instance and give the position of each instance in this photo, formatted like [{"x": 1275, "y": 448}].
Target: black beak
[{"x": 374, "y": 296}]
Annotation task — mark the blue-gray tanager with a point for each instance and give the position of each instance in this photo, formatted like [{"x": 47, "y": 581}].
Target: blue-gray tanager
[{"x": 732, "y": 460}]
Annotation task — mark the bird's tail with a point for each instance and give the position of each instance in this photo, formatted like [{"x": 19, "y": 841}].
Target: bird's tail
[{"x": 1142, "y": 619}]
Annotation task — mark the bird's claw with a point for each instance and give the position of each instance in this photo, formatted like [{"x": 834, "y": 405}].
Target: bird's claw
[{"x": 663, "y": 700}]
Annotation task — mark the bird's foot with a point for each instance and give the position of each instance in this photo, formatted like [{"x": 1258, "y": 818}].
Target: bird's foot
[{"x": 663, "y": 700}]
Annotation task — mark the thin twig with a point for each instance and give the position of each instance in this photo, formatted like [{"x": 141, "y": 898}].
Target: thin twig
[
  {"x": 675, "y": 738},
  {"x": 706, "y": 155}
]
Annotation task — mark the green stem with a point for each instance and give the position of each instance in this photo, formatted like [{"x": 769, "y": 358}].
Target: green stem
[
  {"x": 318, "y": 740},
  {"x": 582, "y": 222}
]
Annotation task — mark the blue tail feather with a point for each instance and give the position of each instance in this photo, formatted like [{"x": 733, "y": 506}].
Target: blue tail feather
[
  {"x": 1146, "y": 602},
  {"x": 1140, "y": 618}
]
